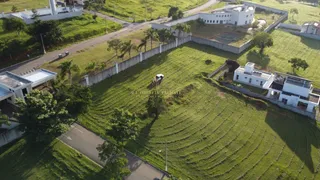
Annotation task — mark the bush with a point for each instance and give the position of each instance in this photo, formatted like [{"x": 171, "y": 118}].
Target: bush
[
  {"x": 255, "y": 24},
  {"x": 208, "y": 62}
]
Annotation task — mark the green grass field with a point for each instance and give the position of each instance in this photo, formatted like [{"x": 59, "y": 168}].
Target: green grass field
[
  {"x": 134, "y": 9},
  {"x": 55, "y": 161},
  {"x": 5, "y": 6},
  {"x": 210, "y": 133},
  {"x": 73, "y": 29}
]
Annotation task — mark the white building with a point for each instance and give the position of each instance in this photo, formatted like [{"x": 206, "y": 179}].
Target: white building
[
  {"x": 294, "y": 91},
  {"x": 311, "y": 28},
  {"x": 13, "y": 86},
  {"x": 291, "y": 90},
  {"x": 237, "y": 15},
  {"x": 251, "y": 76},
  {"x": 46, "y": 14}
]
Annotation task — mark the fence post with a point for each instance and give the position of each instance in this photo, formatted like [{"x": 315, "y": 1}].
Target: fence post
[
  {"x": 141, "y": 57},
  {"x": 87, "y": 79},
  {"x": 160, "y": 48},
  {"x": 117, "y": 68},
  {"x": 177, "y": 42}
]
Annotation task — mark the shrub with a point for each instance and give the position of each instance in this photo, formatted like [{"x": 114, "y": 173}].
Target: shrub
[{"x": 208, "y": 62}]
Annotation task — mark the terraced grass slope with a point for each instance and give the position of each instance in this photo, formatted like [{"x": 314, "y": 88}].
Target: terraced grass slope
[
  {"x": 210, "y": 133},
  {"x": 135, "y": 9},
  {"x": 22, "y": 160}
]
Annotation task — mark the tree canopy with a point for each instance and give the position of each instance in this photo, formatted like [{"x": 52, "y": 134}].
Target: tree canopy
[
  {"x": 41, "y": 116},
  {"x": 155, "y": 104},
  {"x": 175, "y": 13},
  {"x": 262, "y": 40},
  {"x": 123, "y": 126},
  {"x": 297, "y": 63},
  {"x": 14, "y": 24}
]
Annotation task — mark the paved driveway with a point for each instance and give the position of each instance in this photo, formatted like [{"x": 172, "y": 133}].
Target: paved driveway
[{"x": 86, "y": 142}]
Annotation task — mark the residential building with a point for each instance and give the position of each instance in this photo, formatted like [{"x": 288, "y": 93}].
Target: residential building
[
  {"x": 311, "y": 28},
  {"x": 294, "y": 91},
  {"x": 13, "y": 86},
  {"x": 251, "y": 76},
  {"x": 237, "y": 15}
]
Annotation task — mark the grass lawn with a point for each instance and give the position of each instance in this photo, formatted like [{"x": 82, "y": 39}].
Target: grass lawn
[
  {"x": 210, "y": 132},
  {"x": 22, "y": 4},
  {"x": 55, "y": 161},
  {"x": 134, "y": 9},
  {"x": 99, "y": 53},
  {"x": 73, "y": 29}
]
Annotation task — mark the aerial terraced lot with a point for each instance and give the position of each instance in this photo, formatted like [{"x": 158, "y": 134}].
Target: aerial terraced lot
[{"x": 209, "y": 132}]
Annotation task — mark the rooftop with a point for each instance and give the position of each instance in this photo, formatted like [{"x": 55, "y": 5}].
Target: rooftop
[
  {"x": 261, "y": 74},
  {"x": 12, "y": 81},
  {"x": 298, "y": 81},
  {"x": 39, "y": 76},
  {"x": 315, "y": 24}
]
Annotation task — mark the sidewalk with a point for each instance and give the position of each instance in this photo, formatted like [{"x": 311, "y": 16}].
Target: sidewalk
[{"x": 86, "y": 142}]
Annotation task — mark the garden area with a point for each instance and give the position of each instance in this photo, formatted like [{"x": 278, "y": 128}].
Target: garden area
[
  {"x": 25, "y": 160},
  {"x": 210, "y": 132},
  {"x": 72, "y": 30}
]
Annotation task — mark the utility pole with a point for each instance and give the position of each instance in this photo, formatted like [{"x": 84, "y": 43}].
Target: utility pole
[
  {"x": 44, "y": 50},
  {"x": 166, "y": 158}
]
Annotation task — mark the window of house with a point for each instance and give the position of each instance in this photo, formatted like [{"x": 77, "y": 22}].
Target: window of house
[
  {"x": 245, "y": 77},
  {"x": 261, "y": 83},
  {"x": 250, "y": 80},
  {"x": 247, "y": 15},
  {"x": 214, "y": 21},
  {"x": 24, "y": 92},
  {"x": 237, "y": 77}
]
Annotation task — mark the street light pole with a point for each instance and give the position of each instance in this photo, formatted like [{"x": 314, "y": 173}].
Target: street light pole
[
  {"x": 166, "y": 158},
  {"x": 44, "y": 50}
]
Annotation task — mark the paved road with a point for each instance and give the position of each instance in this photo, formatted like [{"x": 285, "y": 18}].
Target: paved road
[
  {"x": 26, "y": 66},
  {"x": 86, "y": 142}
]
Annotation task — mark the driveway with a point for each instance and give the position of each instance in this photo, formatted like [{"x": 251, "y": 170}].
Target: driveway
[
  {"x": 26, "y": 66},
  {"x": 86, "y": 142}
]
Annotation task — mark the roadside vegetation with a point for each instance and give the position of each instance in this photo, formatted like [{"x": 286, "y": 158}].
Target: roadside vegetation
[
  {"x": 206, "y": 136},
  {"x": 16, "y": 42}
]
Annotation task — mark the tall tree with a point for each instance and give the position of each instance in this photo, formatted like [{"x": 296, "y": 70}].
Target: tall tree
[
  {"x": 14, "y": 24},
  {"x": 294, "y": 11},
  {"x": 52, "y": 33},
  {"x": 115, "y": 44},
  {"x": 182, "y": 27},
  {"x": 66, "y": 68},
  {"x": 165, "y": 35},
  {"x": 155, "y": 104},
  {"x": 14, "y": 8},
  {"x": 175, "y": 13},
  {"x": 41, "y": 116},
  {"x": 143, "y": 43},
  {"x": 297, "y": 63},
  {"x": 262, "y": 40},
  {"x": 152, "y": 35},
  {"x": 116, "y": 161},
  {"x": 123, "y": 126}
]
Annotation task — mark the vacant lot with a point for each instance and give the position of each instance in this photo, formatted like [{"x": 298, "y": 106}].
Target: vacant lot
[
  {"x": 5, "y": 6},
  {"x": 22, "y": 160},
  {"x": 210, "y": 133},
  {"x": 73, "y": 30},
  {"x": 134, "y": 9}
]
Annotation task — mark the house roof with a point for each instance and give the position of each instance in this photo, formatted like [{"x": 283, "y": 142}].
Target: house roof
[
  {"x": 297, "y": 81},
  {"x": 13, "y": 81},
  {"x": 312, "y": 23},
  {"x": 40, "y": 76}
]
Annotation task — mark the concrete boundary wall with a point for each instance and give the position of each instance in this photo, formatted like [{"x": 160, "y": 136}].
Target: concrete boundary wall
[
  {"x": 143, "y": 56},
  {"x": 10, "y": 135}
]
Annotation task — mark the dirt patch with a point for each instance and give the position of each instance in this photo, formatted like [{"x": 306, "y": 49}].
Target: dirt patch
[{"x": 221, "y": 94}]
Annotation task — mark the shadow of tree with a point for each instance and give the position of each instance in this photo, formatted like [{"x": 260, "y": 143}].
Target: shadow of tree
[
  {"x": 298, "y": 132},
  {"x": 261, "y": 60}
]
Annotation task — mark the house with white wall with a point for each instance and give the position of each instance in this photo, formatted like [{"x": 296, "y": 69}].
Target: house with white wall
[
  {"x": 237, "y": 15},
  {"x": 253, "y": 77},
  {"x": 290, "y": 90},
  {"x": 13, "y": 86}
]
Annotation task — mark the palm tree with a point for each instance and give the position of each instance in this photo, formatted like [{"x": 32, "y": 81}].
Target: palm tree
[
  {"x": 165, "y": 35},
  {"x": 143, "y": 44},
  {"x": 183, "y": 27},
  {"x": 67, "y": 68},
  {"x": 127, "y": 47},
  {"x": 151, "y": 34}
]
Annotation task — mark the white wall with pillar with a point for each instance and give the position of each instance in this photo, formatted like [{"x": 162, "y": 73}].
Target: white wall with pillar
[{"x": 53, "y": 7}]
